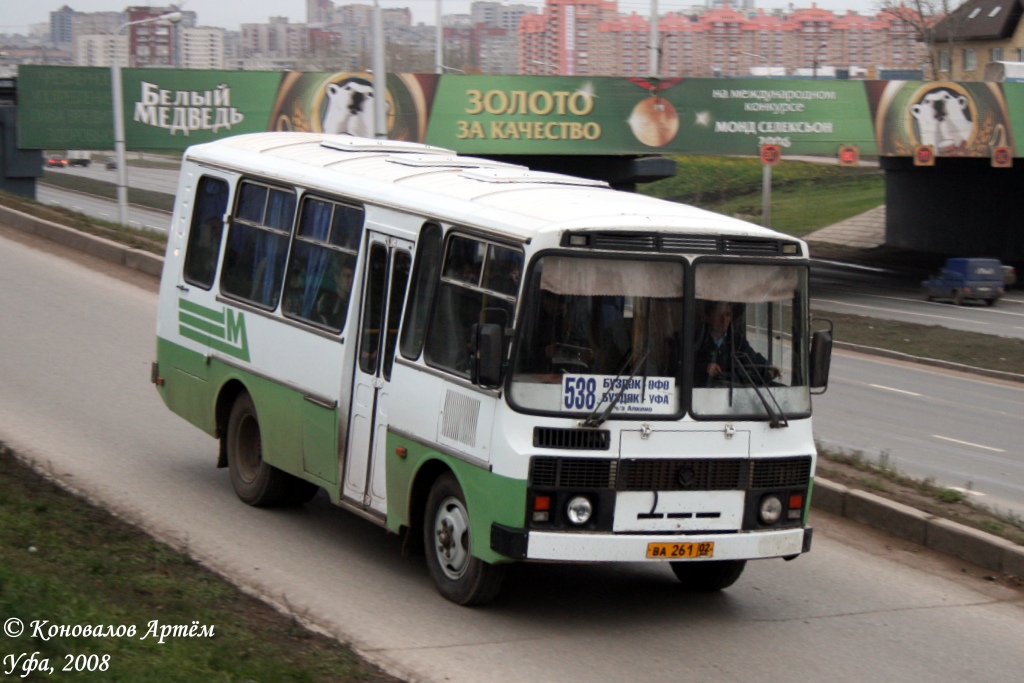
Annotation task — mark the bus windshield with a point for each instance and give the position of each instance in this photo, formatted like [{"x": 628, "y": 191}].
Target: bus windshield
[
  {"x": 597, "y": 331},
  {"x": 602, "y": 335},
  {"x": 750, "y": 345}
]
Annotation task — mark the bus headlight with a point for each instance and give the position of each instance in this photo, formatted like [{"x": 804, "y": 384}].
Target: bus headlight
[
  {"x": 771, "y": 509},
  {"x": 579, "y": 510}
]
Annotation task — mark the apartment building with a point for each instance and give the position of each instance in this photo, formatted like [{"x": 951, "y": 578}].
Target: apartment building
[
  {"x": 99, "y": 50},
  {"x": 562, "y": 37},
  {"x": 202, "y": 48},
  {"x": 718, "y": 41}
]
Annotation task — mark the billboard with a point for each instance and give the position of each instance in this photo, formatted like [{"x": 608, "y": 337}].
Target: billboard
[{"x": 170, "y": 109}]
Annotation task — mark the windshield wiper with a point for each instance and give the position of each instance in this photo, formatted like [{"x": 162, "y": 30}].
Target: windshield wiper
[
  {"x": 596, "y": 421},
  {"x": 778, "y": 419}
]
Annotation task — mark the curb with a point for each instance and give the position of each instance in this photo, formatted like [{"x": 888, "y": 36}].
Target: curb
[
  {"x": 108, "y": 250},
  {"x": 911, "y": 524},
  {"x": 951, "y": 538}
]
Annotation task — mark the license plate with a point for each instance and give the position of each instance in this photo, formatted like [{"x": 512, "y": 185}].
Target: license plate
[{"x": 670, "y": 551}]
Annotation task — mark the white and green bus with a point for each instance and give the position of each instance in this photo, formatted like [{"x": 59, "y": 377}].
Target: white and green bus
[{"x": 502, "y": 364}]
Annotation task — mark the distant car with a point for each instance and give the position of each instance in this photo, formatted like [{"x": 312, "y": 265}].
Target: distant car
[
  {"x": 56, "y": 160},
  {"x": 1009, "y": 276},
  {"x": 963, "y": 279},
  {"x": 111, "y": 164}
]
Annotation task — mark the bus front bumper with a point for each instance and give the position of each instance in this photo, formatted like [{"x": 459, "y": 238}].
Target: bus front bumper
[{"x": 563, "y": 546}]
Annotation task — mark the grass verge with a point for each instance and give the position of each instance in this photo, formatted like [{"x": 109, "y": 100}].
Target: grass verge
[
  {"x": 139, "y": 239},
  {"x": 973, "y": 349},
  {"x": 805, "y": 196},
  {"x": 883, "y": 478},
  {"x": 161, "y": 201},
  {"x": 64, "y": 561}
]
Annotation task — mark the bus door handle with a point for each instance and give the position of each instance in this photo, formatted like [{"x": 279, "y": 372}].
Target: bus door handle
[{"x": 183, "y": 288}]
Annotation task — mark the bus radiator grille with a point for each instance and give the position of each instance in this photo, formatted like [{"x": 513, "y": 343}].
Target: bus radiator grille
[
  {"x": 571, "y": 439},
  {"x": 706, "y": 474},
  {"x": 780, "y": 472},
  {"x": 585, "y": 473}
]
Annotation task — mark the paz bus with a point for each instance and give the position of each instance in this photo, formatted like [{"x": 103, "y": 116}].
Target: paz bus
[{"x": 501, "y": 364}]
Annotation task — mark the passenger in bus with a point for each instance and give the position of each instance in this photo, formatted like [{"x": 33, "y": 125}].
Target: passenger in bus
[
  {"x": 332, "y": 304},
  {"x": 719, "y": 344}
]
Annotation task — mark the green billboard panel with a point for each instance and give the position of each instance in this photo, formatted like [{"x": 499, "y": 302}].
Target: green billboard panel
[
  {"x": 164, "y": 109},
  {"x": 64, "y": 107},
  {"x": 561, "y": 115},
  {"x": 171, "y": 109}
]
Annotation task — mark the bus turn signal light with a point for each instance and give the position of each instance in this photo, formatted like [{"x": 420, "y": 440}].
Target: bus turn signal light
[{"x": 541, "y": 508}]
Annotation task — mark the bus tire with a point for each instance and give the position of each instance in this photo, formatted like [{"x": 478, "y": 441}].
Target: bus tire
[
  {"x": 708, "y": 577},
  {"x": 254, "y": 481},
  {"x": 460, "y": 577}
]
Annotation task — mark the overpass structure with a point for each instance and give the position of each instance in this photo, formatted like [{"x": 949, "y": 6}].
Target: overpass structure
[{"x": 947, "y": 148}]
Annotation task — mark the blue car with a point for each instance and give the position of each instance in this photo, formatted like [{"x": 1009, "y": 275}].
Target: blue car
[{"x": 979, "y": 279}]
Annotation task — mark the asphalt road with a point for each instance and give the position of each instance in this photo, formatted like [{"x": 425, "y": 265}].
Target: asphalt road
[
  {"x": 896, "y": 295},
  {"x": 961, "y": 430},
  {"x": 156, "y": 179},
  {"x": 138, "y": 217},
  {"x": 75, "y": 397}
]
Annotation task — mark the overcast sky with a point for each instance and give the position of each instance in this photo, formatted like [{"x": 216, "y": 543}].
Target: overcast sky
[{"x": 17, "y": 15}]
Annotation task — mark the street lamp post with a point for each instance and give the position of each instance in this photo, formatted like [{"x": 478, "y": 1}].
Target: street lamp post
[
  {"x": 817, "y": 54},
  {"x": 118, "y": 103}
]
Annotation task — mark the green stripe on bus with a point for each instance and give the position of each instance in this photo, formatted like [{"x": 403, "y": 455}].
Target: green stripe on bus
[
  {"x": 203, "y": 311},
  {"x": 212, "y": 329}
]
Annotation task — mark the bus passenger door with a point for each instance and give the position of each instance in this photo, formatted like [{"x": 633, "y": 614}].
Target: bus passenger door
[{"x": 386, "y": 279}]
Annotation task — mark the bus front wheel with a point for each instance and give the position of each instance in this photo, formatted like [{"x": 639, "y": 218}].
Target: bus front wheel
[
  {"x": 459, "y": 576},
  {"x": 710, "y": 576},
  {"x": 254, "y": 481}
]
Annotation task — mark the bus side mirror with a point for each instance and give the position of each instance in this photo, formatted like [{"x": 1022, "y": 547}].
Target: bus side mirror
[
  {"x": 485, "y": 354},
  {"x": 821, "y": 359}
]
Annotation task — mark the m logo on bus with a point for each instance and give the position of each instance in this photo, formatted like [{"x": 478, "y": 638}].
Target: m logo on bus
[{"x": 222, "y": 330}]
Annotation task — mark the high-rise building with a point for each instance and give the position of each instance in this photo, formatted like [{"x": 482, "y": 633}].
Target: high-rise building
[
  {"x": 61, "y": 26},
  {"x": 201, "y": 48},
  {"x": 319, "y": 11},
  {"x": 561, "y": 38}
]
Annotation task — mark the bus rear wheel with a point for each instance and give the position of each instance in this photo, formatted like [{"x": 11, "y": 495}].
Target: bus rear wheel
[
  {"x": 708, "y": 577},
  {"x": 254, "y": 481},
  {"x": 460, "y": 577}
]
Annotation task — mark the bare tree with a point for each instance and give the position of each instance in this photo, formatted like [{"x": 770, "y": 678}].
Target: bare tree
[{"x": 934, "y": 22}]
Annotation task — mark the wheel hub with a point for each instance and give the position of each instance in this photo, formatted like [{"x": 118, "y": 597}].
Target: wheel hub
[{"x": 451, "y": 533}]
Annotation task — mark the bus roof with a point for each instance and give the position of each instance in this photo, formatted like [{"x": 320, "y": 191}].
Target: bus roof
[{"x": 505, "y": 198}]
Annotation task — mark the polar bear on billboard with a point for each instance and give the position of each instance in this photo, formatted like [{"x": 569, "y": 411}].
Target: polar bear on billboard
[
  {"x": 943, "y": 119},
  {"x": 350, "y": 108}
]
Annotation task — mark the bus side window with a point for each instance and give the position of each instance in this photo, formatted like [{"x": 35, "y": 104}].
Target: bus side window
[
  {"x": 424, "y": 283},
  {"x": 399, "y": 282},
  {"x": 204, "y": 235},
  {"x": 318, "y": 283},
  {"x": 464, "y": 299},
  {"x": 258, "y": 244}
]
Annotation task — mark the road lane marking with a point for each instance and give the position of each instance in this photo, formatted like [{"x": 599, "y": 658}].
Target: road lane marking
[
  {"x": 896, "y": 310},
  {"x": 898, "y": 391},
  {"x": 968, "y": 443}
]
